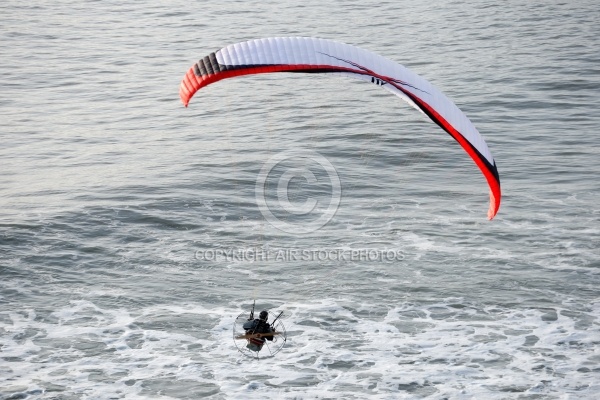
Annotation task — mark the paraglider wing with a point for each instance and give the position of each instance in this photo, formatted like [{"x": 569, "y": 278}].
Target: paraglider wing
[{"x": 312, "y": 55}]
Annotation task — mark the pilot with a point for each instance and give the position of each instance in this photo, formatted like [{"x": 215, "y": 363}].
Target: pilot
[{"x": 260, "y": 326}]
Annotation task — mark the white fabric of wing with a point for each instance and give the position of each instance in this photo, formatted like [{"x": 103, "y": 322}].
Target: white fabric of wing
[
  {"x": 390, "y": 88},
  {"x": 314, "y": 51}
]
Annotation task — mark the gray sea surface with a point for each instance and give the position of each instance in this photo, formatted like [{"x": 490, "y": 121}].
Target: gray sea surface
[{"x": 131, "y": 237}]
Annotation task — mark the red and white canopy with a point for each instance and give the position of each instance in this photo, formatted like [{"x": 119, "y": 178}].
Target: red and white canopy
[{"x": 312, "y": 55}]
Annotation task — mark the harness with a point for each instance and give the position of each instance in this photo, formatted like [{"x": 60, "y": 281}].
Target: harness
[{"x": 258, "y": 341}]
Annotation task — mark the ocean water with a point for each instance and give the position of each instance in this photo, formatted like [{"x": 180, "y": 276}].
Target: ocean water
[{"x": 131, "y": 237}]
